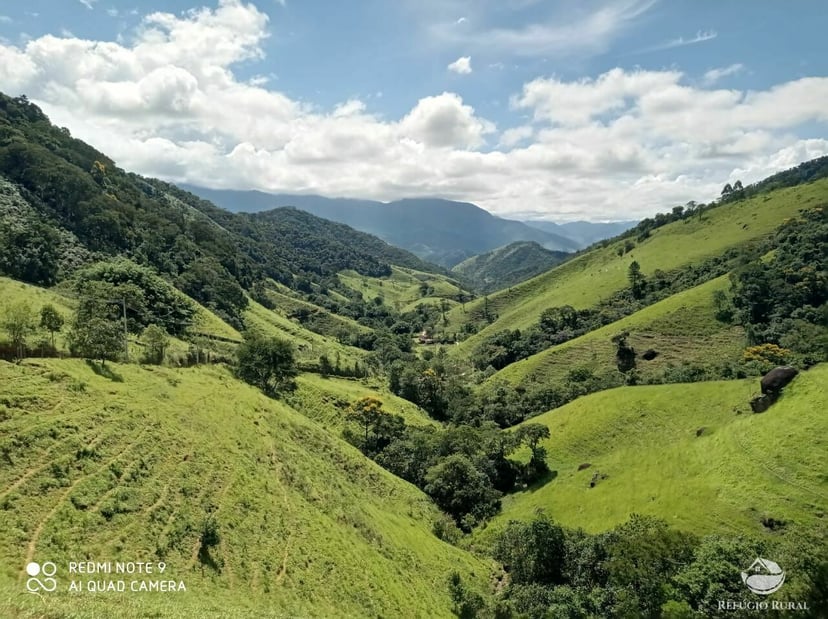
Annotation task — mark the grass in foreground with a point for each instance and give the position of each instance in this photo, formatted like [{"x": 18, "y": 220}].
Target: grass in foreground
[{"x": 104, "y": 470}]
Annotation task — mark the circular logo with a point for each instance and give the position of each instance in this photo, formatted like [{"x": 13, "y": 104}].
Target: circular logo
[
  {"x": 47, "y": 583},
  {"x": 763, "y": 577}
]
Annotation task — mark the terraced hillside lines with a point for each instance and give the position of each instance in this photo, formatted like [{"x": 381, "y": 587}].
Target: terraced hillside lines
[
  {"x": 326, "y": 400},
  {"x": 308, "y": 345},
  {"x": 307, "y": 525},
  {"x": 681, "y": 328},
  {"x": 30, "y": 550},
  {"x": 585, "y": 280},
  {"x": 402, "y": 289},
  {"x": 692, "y": 454}
]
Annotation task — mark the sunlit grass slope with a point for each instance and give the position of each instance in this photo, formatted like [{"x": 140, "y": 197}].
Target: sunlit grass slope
[
  {"x": 309, "y": 346},
  {"x": 692, "y": 454},
  {"x": 401, "y": 289},
  {"x": 585, "y": 280},
  {"x": 326, "y": 400},
  {"x": 128, "y": 466},
  {"x": 12, "y": 291},
  {"x": 681, "y": 328}
]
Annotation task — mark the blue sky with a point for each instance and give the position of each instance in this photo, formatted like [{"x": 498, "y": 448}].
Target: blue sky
[{"x": 560, "y": 110}]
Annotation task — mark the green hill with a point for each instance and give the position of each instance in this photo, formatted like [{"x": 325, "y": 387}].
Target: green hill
[
  {"x": 595, "y": 275},
  {"x": 132, "y": 469},
  {"x": 692, "y": 454},
  {"x": 681, "y": 329},
  {"x": 508, "y": 265}
]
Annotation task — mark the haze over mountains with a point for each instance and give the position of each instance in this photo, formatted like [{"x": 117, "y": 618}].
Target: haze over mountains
[{"x": 441, "y": 231}]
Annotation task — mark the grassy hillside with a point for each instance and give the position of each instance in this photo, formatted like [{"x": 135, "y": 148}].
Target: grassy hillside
[
  {"x": 404, "y": 288},
  {"x": 508, "y": 265},
  {"x": 307, "y": 344},
  {"x": 11, "y": 292},
  {"x": 132, "y": 468},
  {"x": 326, "y": 400},
  {"x": 692, "y": 454},
  {"x": 595, "y": 275},
  {"x": 682, "y": 329}
]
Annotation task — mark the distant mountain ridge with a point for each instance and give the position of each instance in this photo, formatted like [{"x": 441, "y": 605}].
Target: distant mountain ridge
[
  {"x": 508, "y": 265},
  {"x": 441, "y": 231},
  {"x": 585, "y": 233}
]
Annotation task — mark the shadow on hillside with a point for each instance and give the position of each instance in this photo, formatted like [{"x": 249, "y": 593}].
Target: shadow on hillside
[
  {"x": 541, "y": 481},
  {"x": 101, "y": 370}
]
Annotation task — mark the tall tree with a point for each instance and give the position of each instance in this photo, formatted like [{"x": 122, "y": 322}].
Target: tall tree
[
  {"x": 636, "y": 279},
  {"x": 19, "y": 323},
  {"x": 51, "y": 320},
  {"x": 267, "y": 363}
]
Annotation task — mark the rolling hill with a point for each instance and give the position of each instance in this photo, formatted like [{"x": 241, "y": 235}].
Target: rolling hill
[
  {"x": 692, "y": 454},
  {"x": 593, "y": 276},
  {"x": 132, "y": 469},
  {"x": 440, "y": 231},
  {"x": 681, "y": 329},
  {"x": 508, "y": 265}
]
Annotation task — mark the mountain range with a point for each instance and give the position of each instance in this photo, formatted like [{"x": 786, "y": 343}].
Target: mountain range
[{"x": 445, "y": 232}]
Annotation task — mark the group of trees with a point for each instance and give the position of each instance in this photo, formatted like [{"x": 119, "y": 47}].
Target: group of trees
[
  {"x": 784, "y": 300},
  {"x": 641, "y": 568},
  {"x": 464, "y": 468}
]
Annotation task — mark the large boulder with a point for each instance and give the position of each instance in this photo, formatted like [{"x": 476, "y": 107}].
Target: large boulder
[
  {"x": 774, "y": 381},
  {"x": 761, "y": 403}
]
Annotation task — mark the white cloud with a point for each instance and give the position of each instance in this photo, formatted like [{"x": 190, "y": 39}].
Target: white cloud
[
  {"x": 444, "y": 121},
  {"x": 515, "y": 135},
  {"x": 714, "y": 75},
  {"x": 461, "y": 66},
  {"x": 620, "y": 145},
  {"x": 89, "y": 4},
  {"x": 569, "y": 31},
  {"x": 5, "y": 19},
  {"x": 701, "y": 37}
]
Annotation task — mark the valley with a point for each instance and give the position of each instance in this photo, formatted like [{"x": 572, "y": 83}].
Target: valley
[{"x": 301, "y": 420}]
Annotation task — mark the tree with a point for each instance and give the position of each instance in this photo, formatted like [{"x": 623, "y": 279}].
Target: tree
[
  {"x": 266, "y": 363},
  {"x": 98, "y": 331},
  {"x": 534, "y": 551},
  {"x": 636, "y": 279},
  {"x": 96, "y": 338},
  {"x": 19, "y": 323},
  {"x": 462, "y": 491},
  {"x": 51, "y": 320},
  {"x": 531, "y": 434},
  {"x": 378, "y": 429},
  {"x": 727, "y": 190},
  {"x": 155, "y": 341}
]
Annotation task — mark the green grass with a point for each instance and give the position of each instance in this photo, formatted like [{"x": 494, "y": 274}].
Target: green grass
[
  {"x": 326, "y": 400},
  {"x": 105, "y": 470},
  {"x": 401, "y": 289},
  {"x": 309, "y": 345},
  {"x": 591, "y": 277},
  {"x": 327, "y": 324},
  {"x": 741, "y": 468},
  {"x": 682, "y": 328}
]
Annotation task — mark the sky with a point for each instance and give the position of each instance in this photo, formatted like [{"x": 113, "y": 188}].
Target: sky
[{"x": 560, "y": 110}]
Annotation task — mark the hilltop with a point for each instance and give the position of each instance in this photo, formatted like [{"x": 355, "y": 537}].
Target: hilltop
[
  {"x": 596, "y": 275},
  {"x": 508, "y": 265}
]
